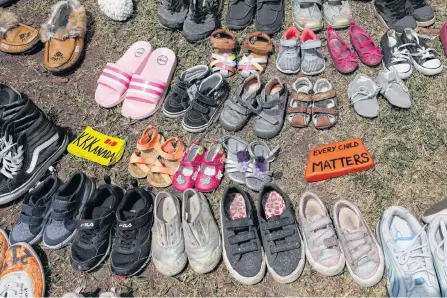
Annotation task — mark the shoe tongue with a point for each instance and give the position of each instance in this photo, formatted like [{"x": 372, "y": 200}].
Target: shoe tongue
[
  {"x": 99, "y": 212},
  {"x": 274, "y": 206},
  {"x": 129, "y": 215},
  {"x": 7, "y": 96}
]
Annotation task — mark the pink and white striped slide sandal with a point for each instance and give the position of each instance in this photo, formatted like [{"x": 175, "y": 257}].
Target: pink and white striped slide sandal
[
  {"x": 116, "y": 77},
  {"x": 148, "y": 89}
]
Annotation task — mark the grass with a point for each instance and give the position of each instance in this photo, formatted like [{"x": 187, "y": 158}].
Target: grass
[{"x": 409, "y": 147}]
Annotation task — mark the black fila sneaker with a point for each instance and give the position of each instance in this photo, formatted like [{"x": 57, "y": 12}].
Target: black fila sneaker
[
  {"x": 132, "y": 242},
  {"x": 93, "y": 241},
  {"x": 30, "y": 146}
]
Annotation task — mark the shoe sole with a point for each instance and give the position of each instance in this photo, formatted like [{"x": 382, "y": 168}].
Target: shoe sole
[
  {"x": 18, "y": 192},
  {"x": 427, "y": 71},
  {"x": 403, "y": 76},
  {"x": 242, "y": 279},
  {"x": 176, "y": 270},
  {"x": 139, "y": 270},
  {"x": 213, "y": 264},
  {"x": 426, "y": 23},
  {"x": 172, "y": 115}
]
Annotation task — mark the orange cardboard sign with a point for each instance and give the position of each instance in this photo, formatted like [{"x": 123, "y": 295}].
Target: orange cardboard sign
[{"x": 338, "y": 159}]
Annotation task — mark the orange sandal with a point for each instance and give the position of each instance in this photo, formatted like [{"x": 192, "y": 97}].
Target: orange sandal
[
  {"x": 258, "y": 45},
  {"x": 223, "y": 60},
  {"x": 163, "y": 169},
  {"x": 148, "y": 146}
]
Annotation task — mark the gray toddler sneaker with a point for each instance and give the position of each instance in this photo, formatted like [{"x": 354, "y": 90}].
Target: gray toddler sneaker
[
  {"x": 239, "y": 107},
  {"x": 337, "y": 13},
  {"x": 307, "y": 14},
  {"x": 393, "y": 89},
  {"x": 288, "y": 60},
  {"x": 272, "y": 108},
  {"x": 312, "y": 60},
  {"x": 168, "y": 246},
  {"x": 201, "y": 20},
  {"x": 171, "y": 14},
  {"x": 364, "y": 256},
  {"x": 202, "y": 239}
]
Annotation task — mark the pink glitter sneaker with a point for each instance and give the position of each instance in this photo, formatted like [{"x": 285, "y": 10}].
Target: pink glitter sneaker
[
  {"x": 211, "y": 169},
  {"x": 188, "y": 169},
  {"x": 364, "y": 45},
  {"x": 341, "y": 53}
]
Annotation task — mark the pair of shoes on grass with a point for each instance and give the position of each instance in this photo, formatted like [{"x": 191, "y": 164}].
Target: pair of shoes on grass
[{"x": 62, "y": 35}]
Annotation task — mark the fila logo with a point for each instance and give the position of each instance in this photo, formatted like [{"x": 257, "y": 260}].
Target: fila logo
[
  {"x": 123, "y": 225},
  {"x": 86, "y": 224}
]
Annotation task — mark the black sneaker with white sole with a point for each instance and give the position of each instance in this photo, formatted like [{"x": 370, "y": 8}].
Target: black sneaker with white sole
[
  {"x": 422, "y": 12},
  {"x": 34, "y": 213},
  {"x": 212, "y": 93},
  {"x": 395, "y": 55},
  {"x": 242, "y": 250},
  {"x": 185, "y": 86},
  {"x": 394, "y": 15},
  {"x": 132, "y": 242},
  {"x": 424, "y": 58},
  {"x": 93, "y": 241},
  {"x": 65, "y": 208},
  {"x": 28, "y": 155}
]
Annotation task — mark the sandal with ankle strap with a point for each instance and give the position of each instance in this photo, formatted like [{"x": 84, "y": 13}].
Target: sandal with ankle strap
[
  {"x": 164, "y": 167},
  {"x": 324, "y": 105},
  {"x": 223, "y": 60},
  {"x": 259, "y": 46},
  {"x": 299, "y": 110},
  {"x": 258, "y": 172}
]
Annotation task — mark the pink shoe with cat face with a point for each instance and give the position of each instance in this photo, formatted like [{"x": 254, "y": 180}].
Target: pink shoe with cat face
[
  {"x": 211, "y": 169},
  {"x": 188, "y": 169}
]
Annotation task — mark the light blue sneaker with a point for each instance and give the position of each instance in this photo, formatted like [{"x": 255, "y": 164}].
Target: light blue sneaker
[
  {"x": 408, "y": 261},
  {"x": 437, "y": 238}
]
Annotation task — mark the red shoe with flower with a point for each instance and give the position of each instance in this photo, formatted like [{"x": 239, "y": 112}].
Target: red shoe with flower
[
  {"x": 364, "y": 45},
  {"x": 211, "y": 169},
  {"x": 188, "y": 169}
]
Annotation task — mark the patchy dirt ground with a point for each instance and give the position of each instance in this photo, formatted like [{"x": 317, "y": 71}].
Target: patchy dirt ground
[{"x": 409, "y": 146}]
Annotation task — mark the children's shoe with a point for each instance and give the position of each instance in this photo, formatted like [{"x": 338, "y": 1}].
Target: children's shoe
[
  {"x": 394, "y": 14},
  {"x": 434, "y": 210},
  {"x": 206, "y": 104},
  {"x": 93, "y": 241},
  {"x": 3, "y": 246},
  {"x": 307, "y": 14},
  {"x": 211, "y": 169},
  {"x": 271, "y": 110},
  {"x": 168, "y": 245},
  {"x": 443, "y": 37},
  {"x": 201, "y": 20},
  {"x": 269, "y": 16},
  {"x": 30, "y": 225},
  {"x": 242, "y": 249},
  {"x": 362, "y": 92},
  {"x": 424, "y": 58},
  {"x": 188, "y": 170},
  {"x": 341, "y": 53},
  {"x": 240, "y": 14},
  {"x": 184, "y": 88},
  {"x": 22, "y": 273},
  {"x": 132, "y": 241},
  {"x": 408, "y": 260},
  {"x": 223, "y": 59},
  {"x": 171, "y": 14},
  {"x": 299, "y": 111},
  {"x": 281, "y": 238},
  {"x": 393, "y": 89},
  {"x": 258, "y": 172},
  {"x": 395, "y": 55},
  {"x": 238, "y": 158},
  {"x": 240, "y": 105},
  {"x": 65, "y": 209},
  {"x": 202, "y": 238},
  {"x": 323, "y": 249},
  {"x": 337, "y": 13},
  {"x": 324, "y": 105},
  {"x": 288, "y": 60},
  {"x": 437, "y": 239},
  {"x": 312, "y": 60},
  {"x": 364, "y": 256},
  {"x": 421, "y": 11},
  {"x": 364, "y": 45},
  {"x": 258, "y": 47}
]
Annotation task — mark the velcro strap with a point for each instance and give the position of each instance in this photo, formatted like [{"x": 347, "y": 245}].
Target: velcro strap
[
  {"x": 87, "y": 224},
  {"x": 205, "y": 99},
  {"x": 134, "y": 223},
  {"x": 300, "y": 109},
  {"x": 240, "y": 223},
  {"x": 179, "y": 90},
  {"x": 61, "y": 205},
  {"x": 30, "y": 220},
  {"x": 27, "y": 209},
  {"x": 310, "y": 1},
  {"x": 355, "y": 236},
  {"x": 273, "y": 236},
  {"x": 311, "y": 44},
  {"x": 324, "y": 95},
  {"x": 214, "y": 162},
  {"x": 197, "y": 106},
  {"x": 289, "y": 42},
  {"x": 320, "y": 224},
  {"x": 62, "y": 215},
  {"x": 318, "y": 110},
  {"x": 239, "y": 250},
  {"x": 285, "y": 247},
  {"x": 301, "y": 96},
  {"x": 237, "y": 107},
  {"x": 276, "y": 224},
  {"x": 241, "y": 238}
]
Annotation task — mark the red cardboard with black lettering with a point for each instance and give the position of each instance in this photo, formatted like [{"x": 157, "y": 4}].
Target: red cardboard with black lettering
[{"x": 338, "y": 159}]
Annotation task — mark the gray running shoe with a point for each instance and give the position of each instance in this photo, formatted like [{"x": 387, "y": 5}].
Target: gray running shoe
[
  {"x": 307, "y": 14},
  {"x": 312, "y": 60},
  {"x": 168, "y": 246},
  {"x": 364, "y": 256},
  {"x": 201, "y": 20},
  {"x": 322, "y": 245},
  {"x": 202, "y": 239},
  {"x": 288, "y": 60},
  {"x": 337, "y": 13},
  {"x": 171, "y": 14}
]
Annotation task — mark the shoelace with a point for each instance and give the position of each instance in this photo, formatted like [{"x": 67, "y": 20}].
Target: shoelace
[
  {"x": 199, "y": 11},
  {"x": 12, "y": 161},
  {"x": 395, "y": 80},
  {"x": 400, "y": 54},
  {"x": 395, "y": 7},
  {"x": 424, "y": 53},
  {"x": 126, "y": 238},
  {"x": 413, "y": 259},
  {"x": 366, "y": 94},
  {"x": 359, "y": 244},
  {"x": 173, "y": 5},
  {"x": 441, "y": 248},
  {"x": 88, "y": 235}
]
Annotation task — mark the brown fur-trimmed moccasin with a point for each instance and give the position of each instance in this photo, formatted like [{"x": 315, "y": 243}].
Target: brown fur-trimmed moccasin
[
  {"x": 16, "y": 38},
  {"x": 63, "y": 36}
]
